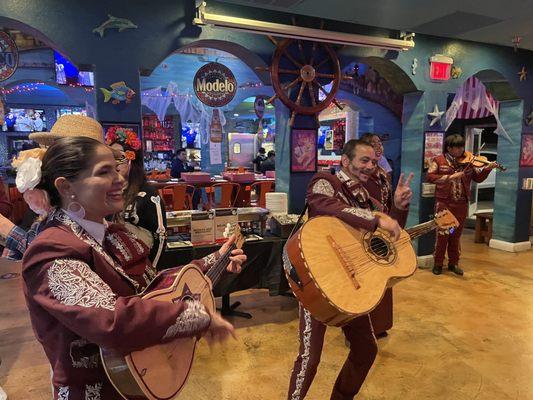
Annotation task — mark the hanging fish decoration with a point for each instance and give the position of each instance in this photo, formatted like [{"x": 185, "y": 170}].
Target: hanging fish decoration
[
  {"x": 119, "y": 92},
  {"x": 114, "y": 22}
]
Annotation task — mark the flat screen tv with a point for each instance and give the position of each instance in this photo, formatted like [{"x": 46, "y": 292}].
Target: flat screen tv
[
  {"x": 25, "y": 120},
  {"x": 68, "y": 74}
]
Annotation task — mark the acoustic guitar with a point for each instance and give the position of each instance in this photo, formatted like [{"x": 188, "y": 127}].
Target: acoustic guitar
[
  {"x": 339, "y": 273},
  {"x": 160, "y": 372}
]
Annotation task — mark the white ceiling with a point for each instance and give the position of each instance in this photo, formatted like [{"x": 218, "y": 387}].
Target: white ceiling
[{"x": 488, "y": 21}]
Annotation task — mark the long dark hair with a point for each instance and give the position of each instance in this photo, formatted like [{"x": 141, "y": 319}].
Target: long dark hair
[
  {"x": 68, "y": 157},
  {"x": 136, "y": 176}
]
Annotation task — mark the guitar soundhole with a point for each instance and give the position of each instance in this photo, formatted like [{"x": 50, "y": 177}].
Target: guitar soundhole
[{"x": 379, "y": 247}]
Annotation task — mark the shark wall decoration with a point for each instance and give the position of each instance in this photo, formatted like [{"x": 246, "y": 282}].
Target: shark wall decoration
[{"x": 114, "y": 22}]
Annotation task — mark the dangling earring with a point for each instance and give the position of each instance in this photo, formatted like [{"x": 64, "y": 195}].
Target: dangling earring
[{"x": 75, "y": 208}]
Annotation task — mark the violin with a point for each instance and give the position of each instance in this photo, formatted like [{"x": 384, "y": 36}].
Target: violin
[{"x": 468, "y": 159}]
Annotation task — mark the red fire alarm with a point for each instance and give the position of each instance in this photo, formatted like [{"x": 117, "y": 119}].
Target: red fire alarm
[{"x": 440, "y": 67}]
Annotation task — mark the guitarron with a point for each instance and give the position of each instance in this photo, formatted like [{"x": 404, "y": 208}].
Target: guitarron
[
  {"x": 160, "y": 372},
  {"x": 339, "y": 273}
]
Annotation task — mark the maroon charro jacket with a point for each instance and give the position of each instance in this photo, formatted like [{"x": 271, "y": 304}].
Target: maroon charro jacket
[
  {"x": 379, "y": 188},
  {"x": 340, "y": 196},
  {"x": 453, "y": 190},
  {"x": 81, "y": 296}
]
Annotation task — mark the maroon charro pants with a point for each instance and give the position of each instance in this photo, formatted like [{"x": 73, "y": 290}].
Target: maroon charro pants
[
  {"x": 452, "y": 242},
  {"x": 363, "y": 350}
]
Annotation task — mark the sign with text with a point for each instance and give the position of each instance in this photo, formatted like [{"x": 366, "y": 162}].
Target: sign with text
[
  {"x": 215, "y": 85},
  {"x": 9, "y": 56}
]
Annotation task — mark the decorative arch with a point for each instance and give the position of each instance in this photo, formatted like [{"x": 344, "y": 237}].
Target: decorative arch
[
  {"x": 252, "y": 60},
  {"x": 397, "y": 78},
  {"x": 21, "y": 26}
]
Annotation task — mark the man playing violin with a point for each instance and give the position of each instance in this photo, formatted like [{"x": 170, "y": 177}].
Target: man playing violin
[{"x": 452, "y": 173}]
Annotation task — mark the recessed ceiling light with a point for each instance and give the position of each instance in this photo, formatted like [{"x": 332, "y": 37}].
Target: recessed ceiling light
[{"x": 235, "y": 115}]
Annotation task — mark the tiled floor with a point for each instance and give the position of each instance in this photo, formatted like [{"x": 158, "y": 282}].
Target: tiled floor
[{"x": 453, "y": 339}]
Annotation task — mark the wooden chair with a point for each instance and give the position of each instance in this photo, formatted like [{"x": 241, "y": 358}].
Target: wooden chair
[
  {"x": 229, "y": 191},
  {"x": 261, "y": 189},
  {"x": 177, "y": 197},
  {"x": 483, "y": 231}
]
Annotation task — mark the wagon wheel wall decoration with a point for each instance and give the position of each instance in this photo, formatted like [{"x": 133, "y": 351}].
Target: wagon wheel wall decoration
[{"x": 307, "y": 82}]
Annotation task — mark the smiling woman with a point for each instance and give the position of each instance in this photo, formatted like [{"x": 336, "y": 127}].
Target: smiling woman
[{"x": 82, "y": 274}]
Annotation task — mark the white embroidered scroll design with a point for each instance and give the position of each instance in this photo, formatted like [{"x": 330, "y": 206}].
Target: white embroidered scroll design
[
  {"x": 73, "y": 283},
  {"x": 195, "y": 318},
  {"x": 92, "y": 392},
  {"x": 359, "y": 212},
  {"x": 322, "y": 186}
]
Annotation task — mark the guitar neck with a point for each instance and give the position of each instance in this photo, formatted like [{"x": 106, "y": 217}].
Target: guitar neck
[
  {"x": 421, "y": 229},
  {"x": 216, "y": 272}
]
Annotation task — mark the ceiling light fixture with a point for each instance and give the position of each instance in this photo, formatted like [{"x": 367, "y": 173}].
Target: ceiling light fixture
[{"x": 297, "y": 32}]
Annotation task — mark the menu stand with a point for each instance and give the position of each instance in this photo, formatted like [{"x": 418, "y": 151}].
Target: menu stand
[{"x": 228, "y": 309}]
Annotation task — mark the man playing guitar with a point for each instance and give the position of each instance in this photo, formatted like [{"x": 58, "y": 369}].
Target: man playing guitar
[
  {"x": 452, "y": 191},
  {"x": 343, "y": 196}
]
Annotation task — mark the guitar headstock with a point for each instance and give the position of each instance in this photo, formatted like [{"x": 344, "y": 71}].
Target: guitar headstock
[
  {"x": 446, "y": 221},
  {"x": 234, "y": 229}
]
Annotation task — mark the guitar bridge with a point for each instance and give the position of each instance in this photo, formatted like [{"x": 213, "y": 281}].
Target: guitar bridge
[{"x": 345, "y": 260}]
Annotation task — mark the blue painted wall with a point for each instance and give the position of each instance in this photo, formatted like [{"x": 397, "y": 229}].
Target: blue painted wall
[{"x": 165, "y": 25}]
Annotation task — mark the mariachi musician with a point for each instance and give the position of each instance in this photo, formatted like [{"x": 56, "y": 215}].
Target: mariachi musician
[
  {"x": 453, "y": 177},
  {"x": 342, "y": 196},
  {"x": 397, "y": 206}
]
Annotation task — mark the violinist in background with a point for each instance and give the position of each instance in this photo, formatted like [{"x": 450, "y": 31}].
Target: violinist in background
[{"x": 453, "y": 172}]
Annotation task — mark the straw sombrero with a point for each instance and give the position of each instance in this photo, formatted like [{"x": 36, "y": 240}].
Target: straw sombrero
[{"x": 70, "y": 125}]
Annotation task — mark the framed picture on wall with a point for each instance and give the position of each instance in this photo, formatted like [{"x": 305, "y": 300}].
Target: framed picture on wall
[
  {"x": 134, "y": 127},
  {"x": 304, "y": 150},
  {"x": 433, "y": 146},
  {"x": 526, "y": 156}
]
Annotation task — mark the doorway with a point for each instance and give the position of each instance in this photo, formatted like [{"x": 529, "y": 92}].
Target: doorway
[{"x": 481, "y": 140}]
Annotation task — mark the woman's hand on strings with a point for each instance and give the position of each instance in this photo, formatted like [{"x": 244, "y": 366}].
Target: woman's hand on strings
[{"x": 237, "y": 257}]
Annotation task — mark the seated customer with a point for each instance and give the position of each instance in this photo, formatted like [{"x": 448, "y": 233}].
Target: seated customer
[
  {"x": 270, "y": 163},
  {"x": 179, "y": 164},
  {"x": 144, "y": 213}
]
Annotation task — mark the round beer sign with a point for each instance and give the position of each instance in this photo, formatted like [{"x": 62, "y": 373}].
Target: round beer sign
[
  {"x": 215, "y": 85},
  {"x": 9, "y": 56}
]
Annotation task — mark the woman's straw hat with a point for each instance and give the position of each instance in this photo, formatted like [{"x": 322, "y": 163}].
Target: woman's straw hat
[{"x": 70, "y": 125}]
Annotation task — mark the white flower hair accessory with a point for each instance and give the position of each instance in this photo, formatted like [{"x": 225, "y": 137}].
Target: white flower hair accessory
[{"x": 28, "y": 165}]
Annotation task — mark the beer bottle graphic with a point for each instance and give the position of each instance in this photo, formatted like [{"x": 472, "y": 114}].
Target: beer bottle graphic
[{"x": 215, "y": 129}]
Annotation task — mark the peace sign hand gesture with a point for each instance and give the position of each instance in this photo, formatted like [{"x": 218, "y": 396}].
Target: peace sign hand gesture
[{"x": 403, "y": 193}]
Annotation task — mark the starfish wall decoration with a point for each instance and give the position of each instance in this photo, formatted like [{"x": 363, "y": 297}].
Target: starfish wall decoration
[
  {"x": 529, "y": 118},
  {"x": 523, "y": 74},
  {"x": 435, "y": 115}
]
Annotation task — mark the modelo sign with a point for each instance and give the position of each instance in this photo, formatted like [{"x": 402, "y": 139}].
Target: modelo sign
[{"x": 215, "y": 85}]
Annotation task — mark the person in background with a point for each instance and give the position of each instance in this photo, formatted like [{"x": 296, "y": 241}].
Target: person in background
[
  {"x": 144, "y": 213},
  {"x": 82, "y": 276},
  {"x": 193, "y": 163},
  {"x": 270, "y": 163},
  {"x": 17, "y": 238},
  {"x": 261, "y": 156},
  {"x": 396, "y": 205},
  {"x": 179, "y": 164},
  {"x": 452, "y": 192},
  {"x": 375, "y": 141},
  {"x": 5, "y": 205}
]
